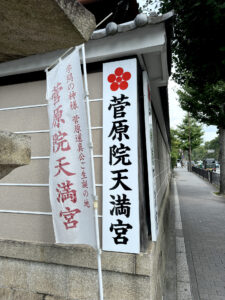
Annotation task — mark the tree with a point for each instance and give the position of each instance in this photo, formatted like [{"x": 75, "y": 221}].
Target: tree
[
  {"x": 175, "y": 147},
  {"x": 207, "y": 104},
  {"x": 198, "y": 43},
  {"x": 198, "y": 47},
  {"x": 213, "y": 145},
  {"x": 201, "y": 152},
  {"x": 190, "y": 135},
  {"x": 149, "y": 6}
]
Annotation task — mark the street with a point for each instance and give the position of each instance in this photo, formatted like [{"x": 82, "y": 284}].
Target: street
[{"x": 203, "y": 223}]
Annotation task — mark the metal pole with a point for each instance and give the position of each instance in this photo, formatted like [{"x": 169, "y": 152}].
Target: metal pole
[{"x": 93, "y": 178}]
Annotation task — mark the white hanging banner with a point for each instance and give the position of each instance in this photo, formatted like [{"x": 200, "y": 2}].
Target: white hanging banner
[
  {"x": 150, "y": 157},
  {"x": 120, "y": 158},
  {"x": 71, "y": 189}
]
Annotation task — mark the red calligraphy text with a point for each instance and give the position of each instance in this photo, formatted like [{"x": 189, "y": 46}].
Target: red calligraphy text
[
  {"x": 60, "y": 143},
  {"x": 84, "y": 184},
  {"x": 86, "y": 203},
  {"x": 65, "y": 192},
  {"x": 61, "y": 169},
  {"x": 73, "y": 105},
  {"x": 80, "y": 147},
  {"x": 68, "y": 68},
  {"x": 79, "y": 138},
  {"x": 83, "y": 174},
  {"x": 69, "y": 217},
  {"x": 76, "y": 119},
  {"x": 72, "y": 95},
  {"x": 57, "y": 119},
  {"x": 55, "y": 92},
  {"x": 81, "y": 156},
  {"x": 69, "y": 77},
  {"x": 77, "y": 128},
  {"x": 70, "y": 86}
]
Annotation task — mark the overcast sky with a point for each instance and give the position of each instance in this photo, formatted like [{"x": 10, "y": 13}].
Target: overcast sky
[{"x": 176, "y": 113}]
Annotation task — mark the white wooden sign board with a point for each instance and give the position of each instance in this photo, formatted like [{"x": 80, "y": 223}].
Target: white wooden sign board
[
  {"x": 150, "y": 157},
  {"x": 121, "y": 229}
]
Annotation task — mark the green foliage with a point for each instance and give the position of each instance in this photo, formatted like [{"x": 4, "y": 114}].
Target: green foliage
[
  {"x": 201, "y": 152},
  {"x": 213, "y": 145},
  {"x": 198, "y": 47},
  {"x": 180, "y": 138},
  {"x": 199, "y": 42},
  {"x": 150, "y": 6},
  {"x": 206, "y": 104},
  {"x": 189, "y": 127},
  {"x": 175, "y": 147}
]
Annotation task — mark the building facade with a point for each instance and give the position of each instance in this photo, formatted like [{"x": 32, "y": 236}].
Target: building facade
[{"x": 31, "y": 265}]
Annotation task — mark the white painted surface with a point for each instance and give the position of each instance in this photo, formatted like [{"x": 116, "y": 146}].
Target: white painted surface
[
  {"x": 115, "y": 217},
  {"x": 150, "y": 157},
  {"x": 70, "y": 179}
]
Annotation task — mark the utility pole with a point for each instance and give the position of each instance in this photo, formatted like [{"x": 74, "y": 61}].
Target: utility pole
[{"x": 189, "y": 141}]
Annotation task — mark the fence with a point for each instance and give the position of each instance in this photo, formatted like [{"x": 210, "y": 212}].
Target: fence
[{"x": 212, "y": 177}]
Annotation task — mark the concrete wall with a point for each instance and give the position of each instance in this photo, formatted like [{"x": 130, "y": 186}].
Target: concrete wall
[
  {"x": 162, "y": 161},
  {"x": 163, "y": 176},
  {"x": 37, "y": 228},
  {"x": 31, "y": 266},
  {"x": 45, "y": 271}
]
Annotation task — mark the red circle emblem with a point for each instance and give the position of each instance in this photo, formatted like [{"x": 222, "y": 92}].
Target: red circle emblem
[{"x": 119, "y": 79}]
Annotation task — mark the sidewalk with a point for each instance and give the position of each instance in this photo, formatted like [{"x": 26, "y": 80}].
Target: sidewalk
[{"x": 203, "y": 228}]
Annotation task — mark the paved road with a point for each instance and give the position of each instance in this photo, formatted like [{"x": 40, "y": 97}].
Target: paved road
[{"x": 203, "y": 220}]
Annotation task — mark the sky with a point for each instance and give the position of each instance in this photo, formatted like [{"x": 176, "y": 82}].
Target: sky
[{"x": 176, "y": 112}]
